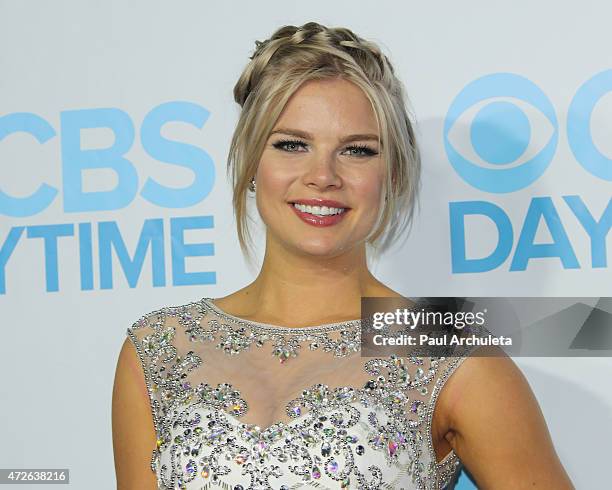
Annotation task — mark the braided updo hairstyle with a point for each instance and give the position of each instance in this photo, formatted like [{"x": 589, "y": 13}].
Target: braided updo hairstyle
[{"x": 276, "y": 70}]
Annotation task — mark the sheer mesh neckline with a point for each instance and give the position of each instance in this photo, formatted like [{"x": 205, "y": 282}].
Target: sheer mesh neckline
[
  {"x": 255, "y": 410},
  {"x": 326, "y": 327}
]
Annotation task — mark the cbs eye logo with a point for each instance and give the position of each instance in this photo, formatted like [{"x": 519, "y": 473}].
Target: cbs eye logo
[{"x": 501, "y": 150}]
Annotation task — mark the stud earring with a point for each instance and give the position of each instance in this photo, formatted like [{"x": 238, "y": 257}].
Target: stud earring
[{"x": 252, "y": 185}]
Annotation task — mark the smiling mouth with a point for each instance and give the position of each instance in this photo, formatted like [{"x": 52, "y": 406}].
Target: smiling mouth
[
  {"x": 319, "y": 216},
  {"x": 318, "y": 210}
]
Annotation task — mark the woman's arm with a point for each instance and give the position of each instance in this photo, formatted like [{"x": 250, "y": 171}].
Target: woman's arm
[
  {"x": 497, "y": 429},
  {"x": 133, "y": 430}
]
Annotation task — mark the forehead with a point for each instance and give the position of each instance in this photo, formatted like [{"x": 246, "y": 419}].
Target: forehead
[{"x": 330, "y": 105}]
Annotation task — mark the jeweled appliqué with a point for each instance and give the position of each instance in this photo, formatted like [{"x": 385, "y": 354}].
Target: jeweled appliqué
[{"x": 373, "y": 436}]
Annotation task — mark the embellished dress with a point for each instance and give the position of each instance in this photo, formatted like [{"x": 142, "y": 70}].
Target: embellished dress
[{"x": 242, "y": 405}]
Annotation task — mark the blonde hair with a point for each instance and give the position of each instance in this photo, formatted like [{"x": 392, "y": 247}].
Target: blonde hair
[{"x": 278, "y": 67}]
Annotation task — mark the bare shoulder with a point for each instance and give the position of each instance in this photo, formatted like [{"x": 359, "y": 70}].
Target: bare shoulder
[
  {"x": 132, "y": 423},
  {"x": 496, "y": 427},
  {"x": 478, "y": 373}
]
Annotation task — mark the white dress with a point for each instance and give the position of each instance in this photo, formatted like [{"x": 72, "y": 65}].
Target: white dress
[{"x": 244, "y": 405}]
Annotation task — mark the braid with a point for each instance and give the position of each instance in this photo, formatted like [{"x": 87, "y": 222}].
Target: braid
[{"x": 338, "y": 41}]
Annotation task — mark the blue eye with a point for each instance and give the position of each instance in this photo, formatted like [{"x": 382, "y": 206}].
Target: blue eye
[
  {"x": 294, "y": 146},
  {"x": 361, "y": 151},
  {"x": 289, "y": 145}
]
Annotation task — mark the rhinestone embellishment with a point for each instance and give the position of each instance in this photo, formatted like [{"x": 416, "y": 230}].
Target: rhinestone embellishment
[
  {"x": 237, "y": 335},
  {"x": 376, "y": 436}
]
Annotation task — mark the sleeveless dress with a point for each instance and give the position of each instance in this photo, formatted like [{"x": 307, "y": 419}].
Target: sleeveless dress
[{"x": 242, "y": 405}]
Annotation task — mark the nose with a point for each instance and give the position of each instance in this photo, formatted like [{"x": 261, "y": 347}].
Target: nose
[{"x": 322, "y": 172}]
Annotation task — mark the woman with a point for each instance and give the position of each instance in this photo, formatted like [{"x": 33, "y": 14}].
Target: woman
[{"x": 326, "y": 147}]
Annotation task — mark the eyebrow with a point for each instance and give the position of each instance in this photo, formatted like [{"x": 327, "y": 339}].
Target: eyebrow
[{"x": 308, "y": 136}]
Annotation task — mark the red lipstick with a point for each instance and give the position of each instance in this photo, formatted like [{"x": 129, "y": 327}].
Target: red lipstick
[{"x": 318, "y": 220}]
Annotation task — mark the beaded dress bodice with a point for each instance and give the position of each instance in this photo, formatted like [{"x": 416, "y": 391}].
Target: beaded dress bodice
[{"x": 244, "y": 405}]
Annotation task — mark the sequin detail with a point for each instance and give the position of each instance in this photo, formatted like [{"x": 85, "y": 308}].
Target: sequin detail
[
  {"x": 237, "y": 335},
  {"x": 377, "y": 436}
]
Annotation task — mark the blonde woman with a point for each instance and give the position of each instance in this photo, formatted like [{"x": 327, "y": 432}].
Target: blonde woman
[{"x": 266, "y": 387}]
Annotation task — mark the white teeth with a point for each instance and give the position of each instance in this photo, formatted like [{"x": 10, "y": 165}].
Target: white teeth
[{"x": 318, "y": 210}]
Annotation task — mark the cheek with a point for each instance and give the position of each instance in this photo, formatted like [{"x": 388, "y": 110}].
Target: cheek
[
  {"x": 271, "y": 176},
  {"x": 369, "y": 187},
  {"x": 273, "y": 182}
]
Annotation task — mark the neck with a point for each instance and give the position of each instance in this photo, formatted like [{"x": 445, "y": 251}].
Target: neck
[{"x": 310, "y": 289}]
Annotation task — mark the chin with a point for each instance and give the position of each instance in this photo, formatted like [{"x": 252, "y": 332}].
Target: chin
[{"x": 321, "y": 249}]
